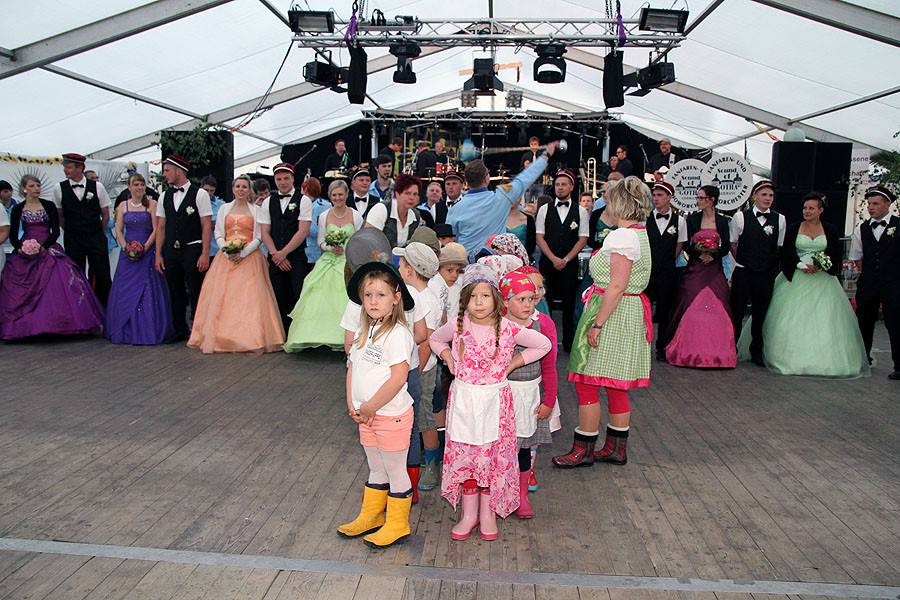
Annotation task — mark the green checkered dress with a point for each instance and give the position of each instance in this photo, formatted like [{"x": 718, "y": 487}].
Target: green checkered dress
[{"x": 622, "y": 358}]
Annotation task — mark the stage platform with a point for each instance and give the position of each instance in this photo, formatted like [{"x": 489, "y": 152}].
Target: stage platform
[{"x": 162, "y": 473}]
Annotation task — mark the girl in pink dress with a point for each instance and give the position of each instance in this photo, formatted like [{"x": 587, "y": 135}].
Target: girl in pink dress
[{"x": 481, "y": 454}]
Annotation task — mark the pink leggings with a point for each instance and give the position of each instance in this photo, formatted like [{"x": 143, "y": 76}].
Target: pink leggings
[{"x": 590, "y": 394}]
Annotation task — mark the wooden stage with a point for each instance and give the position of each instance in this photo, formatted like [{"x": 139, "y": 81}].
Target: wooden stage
[{"x": 161, "y": 473}]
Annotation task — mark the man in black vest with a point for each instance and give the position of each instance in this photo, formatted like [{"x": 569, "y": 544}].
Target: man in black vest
[
  {"x": 667, "y": 232},
  {"x": 360, "y": 198},
  {"x": 434, "y": 209},
  {"x": 83, "y": 206},
  {"x": 182, "y": 240},
  {"x": 398, "y": 218},
  {"x": 757, "y": 235},
  {"x": 875, "y": 248},
  {"x": 290, "y": 217},
  {"x": 562, "y": 231}
]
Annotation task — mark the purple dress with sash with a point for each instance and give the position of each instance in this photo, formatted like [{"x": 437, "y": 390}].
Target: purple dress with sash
[
  {"x": 138, "y": 311},
  {"x": 45, "y": 293}
]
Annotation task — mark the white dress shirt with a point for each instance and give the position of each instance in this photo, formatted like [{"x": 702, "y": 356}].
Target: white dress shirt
[
  {"x": 736, "y": 227},
  {"x": 204, "y": 206},
  {"x": 662, "y": 224},
  {"x": 563, "y": 211},
  {"x": 78, "y": 188},
  {"x": 856, "y": 247},
  {"x": 304, "y": 214}
]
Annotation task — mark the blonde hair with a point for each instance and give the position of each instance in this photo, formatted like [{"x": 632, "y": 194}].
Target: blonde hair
[
  {"x": 628, "y": 199},
  {"x": 464, "y": 296},
  {"x": 388, "y": 323}
]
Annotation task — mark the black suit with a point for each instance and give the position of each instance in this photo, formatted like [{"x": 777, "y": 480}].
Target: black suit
[
  {"x": 561, "y": 236},
  {"x": 879, "y": 285},
  {"x": 440, "y": 209},
  {"x": 663, "y": 286},
  {"x": 85, "y": 241}
]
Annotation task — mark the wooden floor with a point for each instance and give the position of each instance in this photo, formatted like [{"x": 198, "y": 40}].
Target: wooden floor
[{"x": 247, "y": 464}]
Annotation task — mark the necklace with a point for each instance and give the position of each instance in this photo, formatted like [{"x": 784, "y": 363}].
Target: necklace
[
  {"x": 341, "y": 215},
  {"x": 132, "y": 203}
]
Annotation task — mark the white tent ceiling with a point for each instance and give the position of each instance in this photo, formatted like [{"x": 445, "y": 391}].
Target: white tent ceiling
[{"x": 745, "y": 62}]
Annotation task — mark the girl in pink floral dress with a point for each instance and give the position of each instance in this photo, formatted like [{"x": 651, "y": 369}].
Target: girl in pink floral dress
[{"x": 480, "y": 458}]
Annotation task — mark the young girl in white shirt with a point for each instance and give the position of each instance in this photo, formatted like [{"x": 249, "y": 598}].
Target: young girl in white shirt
[{"x": 378, "y": 401}]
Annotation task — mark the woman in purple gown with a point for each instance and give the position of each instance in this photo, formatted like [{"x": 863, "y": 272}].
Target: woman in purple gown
[
  {"x": 138, "y": 311},
  {"x": 702, "y": 335},
  {"x": 42, "y": 291}
]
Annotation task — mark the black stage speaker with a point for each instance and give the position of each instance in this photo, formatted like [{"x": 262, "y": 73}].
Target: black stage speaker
[
  {"x": 222, "y": 170},
  {"x": 802, "y": 167},
  {"x": 358, "y": 75},
  {"x": 613, "y": 90}
]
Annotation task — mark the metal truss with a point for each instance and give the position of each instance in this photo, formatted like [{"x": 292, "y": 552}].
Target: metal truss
[
  {"x": 490, "y": 33},
  {"x": 482, "y": 117}
]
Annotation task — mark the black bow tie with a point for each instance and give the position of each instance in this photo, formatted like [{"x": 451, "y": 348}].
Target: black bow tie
[
  {"x": 285, "y": 195},
  {"x": 558, "y": 204},
  {"x": 179, "y": 189},
  {"x": 662, "y": 216},
  {"x": 75, "y": 185},
  {"x": 877, "y": 224},
  {"x": 761, "y": 214}
]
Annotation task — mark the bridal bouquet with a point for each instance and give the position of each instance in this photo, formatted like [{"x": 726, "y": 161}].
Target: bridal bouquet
[
  {"x": 822, "y": 261},
  {"x": 707, "y": 245},
  {"x": 31, "y": 247},
  {"x": 233, "y": 246},
  {"x": 337, "y": 237},
  {"x": 134, "y": 250}
]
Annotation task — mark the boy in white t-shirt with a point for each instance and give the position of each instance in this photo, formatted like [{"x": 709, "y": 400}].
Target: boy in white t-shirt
[{"x": 418, "y": 264}]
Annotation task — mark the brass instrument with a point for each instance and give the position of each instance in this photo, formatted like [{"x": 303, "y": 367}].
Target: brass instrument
[{"x": 590, "y": 176}]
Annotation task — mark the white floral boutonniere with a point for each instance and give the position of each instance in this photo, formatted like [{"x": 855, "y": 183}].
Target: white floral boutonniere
[
  {"x": 768, "y": 230},
  {"x": 573, "y": 225},
  {"x": 602, "y": 235},
  {"x": 671, "y": 230},
  {"x": 189, "y": 210},
  {"x": 891, "y": 231},
  {"x": 292, "y": 206},
  {"x": 88, "y": 195}
]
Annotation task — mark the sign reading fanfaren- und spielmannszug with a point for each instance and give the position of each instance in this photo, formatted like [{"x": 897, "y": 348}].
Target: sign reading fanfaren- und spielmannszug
[{"x": 732, "y": 175}]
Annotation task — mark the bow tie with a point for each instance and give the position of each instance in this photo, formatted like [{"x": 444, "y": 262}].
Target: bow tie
[
  {"x": 878, "y": 224},
  {"x": 285, "y": 195},
  {"x": 761, "y": 214},
  {"x": 662, "y": 216},
  {"x": 179, "y": 189},
  {"x": 75, "y": 185},
  {"x": 558, "y": 204}
]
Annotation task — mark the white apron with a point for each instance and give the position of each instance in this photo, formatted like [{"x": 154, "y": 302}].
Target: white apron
[
  {"x": 473, "y": 416},
  {"x": 526, "y": 398},
  {"x": 555, "y": 422}
]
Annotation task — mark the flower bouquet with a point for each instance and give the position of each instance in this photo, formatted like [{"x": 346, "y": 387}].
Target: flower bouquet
[
  {"x": 134, "y": 250},
  {"x": 233, "y": 246},
  {"x": 337, "y": 237},
  {"x": 707, "y": 245},
  {"x": 30, "y": 247},
  {"x": 822, "y": 261}
]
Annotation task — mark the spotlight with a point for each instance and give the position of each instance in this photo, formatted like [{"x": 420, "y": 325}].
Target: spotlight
[
  {"x": 468, "y": 99},
  {"x": 662, "y": 19},
  {"x": 325, "y": 74},
  {"x": 550, "y": 67},
  {"x": 656, "y": 75},
  {"x": 310, "y": 21},
  {"x": 484, "y": 80},
  {"x": 405, "y": 52},
  {"x": 514, "y": 99}
]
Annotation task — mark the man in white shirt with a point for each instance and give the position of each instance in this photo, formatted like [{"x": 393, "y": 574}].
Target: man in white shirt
[
  {"x": 562, "y": 231},
  {"x": 757, "y": 235},
  {"x": 182, "y": 240},
  {"x": 83, "y": 206}
]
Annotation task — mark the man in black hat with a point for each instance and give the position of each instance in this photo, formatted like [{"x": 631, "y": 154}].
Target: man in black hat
[
  {"x": 667, "y": 233},
  {"x": 360, "y": 198},
  {"x": 562, "y": 231},
  {"x": 83, "y": 206},
  {"x": 757, "y": 235},
  {"x": 875, "y": 248},
  {"x": 290, "y": 216},
  {"x": 182, "y": 240}
]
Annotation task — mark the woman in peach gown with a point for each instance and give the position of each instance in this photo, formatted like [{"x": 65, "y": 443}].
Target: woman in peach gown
[{"x": 237, "y": 310}]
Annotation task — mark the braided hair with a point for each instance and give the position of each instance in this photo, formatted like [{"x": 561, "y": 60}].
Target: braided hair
[{"x": 464, "y": 298}]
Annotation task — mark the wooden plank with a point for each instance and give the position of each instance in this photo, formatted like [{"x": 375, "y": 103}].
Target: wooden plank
[
  {"x": 85, "y": 580},
  {"x": 40, "y": 576},
  {"x": 161, "y": 582},
  {"x": 118, "y": 584}
]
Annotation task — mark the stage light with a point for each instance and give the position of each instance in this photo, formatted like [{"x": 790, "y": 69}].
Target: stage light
[
  {"x": 311, "y": 21},
  {"x": 656, "y": 75},
  {"x": 514, "y": 99},
  {"x": 468, "y": 99},
  {"x": 662, "y": 19},
  {"x": 405, "y": 52},
  {"x": 484, "y": 80},
  {"x": 325, "y": 74},
  {"x": 550, "y": 66}
]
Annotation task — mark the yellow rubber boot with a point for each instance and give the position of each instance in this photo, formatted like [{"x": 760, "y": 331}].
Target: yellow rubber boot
[
  {"x": 371, "y": 513},
  {"x": 396, "y": 526}
]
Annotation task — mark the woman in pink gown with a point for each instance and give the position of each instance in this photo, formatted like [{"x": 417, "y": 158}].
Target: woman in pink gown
[{"x": 703, "y": 335}]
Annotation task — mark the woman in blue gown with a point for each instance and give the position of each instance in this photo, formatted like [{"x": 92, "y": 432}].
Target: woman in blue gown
[{"x": 810, "y": 328}]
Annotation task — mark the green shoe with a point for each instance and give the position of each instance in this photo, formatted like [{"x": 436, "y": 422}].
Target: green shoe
[{"x": 429, "y": 479}]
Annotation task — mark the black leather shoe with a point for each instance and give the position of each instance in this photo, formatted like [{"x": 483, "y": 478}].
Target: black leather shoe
[{"x": 895, "y": 376}]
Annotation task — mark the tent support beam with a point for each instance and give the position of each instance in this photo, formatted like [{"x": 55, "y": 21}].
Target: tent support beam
[
  {"x": 134, "y": 96},
  {"x": 96, "y": 34},
  {"x": 855, "y": 19},
  {"x": 849, "y": 104}
]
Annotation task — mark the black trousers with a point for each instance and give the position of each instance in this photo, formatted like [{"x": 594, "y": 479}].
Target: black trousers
[
  {"x": 562, "y": 285},
  {"x": 89, "y": 250},
  {"x": 287, "y": 285},
  {"x": 184, "y": 281},
  {"x": 757, "y": 287},
  {"x": 663, "y": 290},
  {"x": 867, "y": 304}
]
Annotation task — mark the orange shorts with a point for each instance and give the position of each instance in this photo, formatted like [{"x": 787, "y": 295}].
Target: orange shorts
[{"x": 390, "y": 434}]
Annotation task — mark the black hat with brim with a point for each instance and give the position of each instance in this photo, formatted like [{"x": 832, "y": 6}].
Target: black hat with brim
[{"x": 375, "y": 267}]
